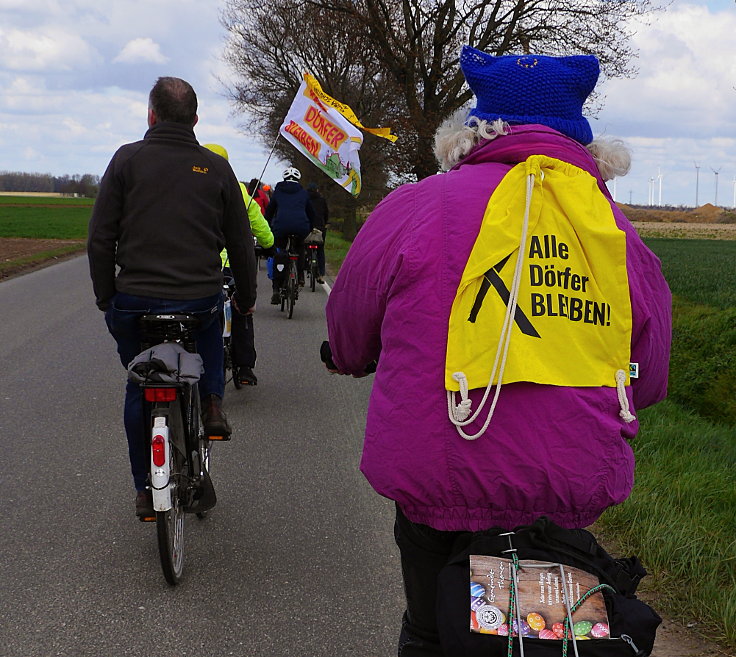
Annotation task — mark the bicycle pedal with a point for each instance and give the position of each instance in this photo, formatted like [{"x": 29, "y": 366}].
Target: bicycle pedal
[
  {"x": 222, "y": 438},
  {"x": 147, "y": 518}
]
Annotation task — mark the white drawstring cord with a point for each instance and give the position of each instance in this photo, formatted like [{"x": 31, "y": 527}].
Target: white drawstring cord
[
  {"x": 462, "y": 410},
  {"x": 458, "y": 414},
  {"x": 623, "y": 400}
]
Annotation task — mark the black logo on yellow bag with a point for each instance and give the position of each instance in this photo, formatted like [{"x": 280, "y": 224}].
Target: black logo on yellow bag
[{"x": 491, "y": 278}]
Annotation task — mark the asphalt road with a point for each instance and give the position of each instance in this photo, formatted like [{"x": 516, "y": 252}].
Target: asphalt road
[{"x": 296, "y": 559}]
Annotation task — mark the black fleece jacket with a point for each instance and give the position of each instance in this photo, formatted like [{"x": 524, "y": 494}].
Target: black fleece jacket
[{"x": 166, "y": 208}]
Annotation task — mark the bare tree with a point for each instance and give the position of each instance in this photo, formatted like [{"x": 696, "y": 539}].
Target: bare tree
[
  {"x": 412, "y": 48},
  {"x": 268, "y": 48},
  {"x": 419, "y": 42}
]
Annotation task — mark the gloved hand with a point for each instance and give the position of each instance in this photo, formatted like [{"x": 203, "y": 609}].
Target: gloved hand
[
  {"x": 239, "y": 307},
  {"x": 325, "y": 354}
]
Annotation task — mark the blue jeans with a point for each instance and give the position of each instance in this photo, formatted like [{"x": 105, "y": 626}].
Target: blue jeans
[{"x": 122, "y": 321}]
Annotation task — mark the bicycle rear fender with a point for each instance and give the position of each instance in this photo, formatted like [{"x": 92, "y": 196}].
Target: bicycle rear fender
[{"x": 160, "y": 464}]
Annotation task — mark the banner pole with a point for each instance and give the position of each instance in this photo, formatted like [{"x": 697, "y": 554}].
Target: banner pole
[{"x": 258, "y": 184}]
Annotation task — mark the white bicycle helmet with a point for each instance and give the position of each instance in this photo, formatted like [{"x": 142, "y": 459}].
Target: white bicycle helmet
[{"x": 291, "y": 173}]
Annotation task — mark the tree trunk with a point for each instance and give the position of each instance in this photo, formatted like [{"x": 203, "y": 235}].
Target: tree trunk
[
  {"x": 425, "y": 164},
  {"x": 350, "y": 222}
]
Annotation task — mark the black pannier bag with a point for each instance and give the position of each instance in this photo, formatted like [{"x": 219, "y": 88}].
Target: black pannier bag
[
  {"x": 632, "y": 624},
  {"x": 280, "y": 265}
]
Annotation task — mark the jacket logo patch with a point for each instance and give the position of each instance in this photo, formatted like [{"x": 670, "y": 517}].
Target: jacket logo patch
[{"x": 197, "y": 169}]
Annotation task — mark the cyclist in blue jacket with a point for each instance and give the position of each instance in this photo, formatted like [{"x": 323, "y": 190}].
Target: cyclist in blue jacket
[{"x": 290, "y": 212}]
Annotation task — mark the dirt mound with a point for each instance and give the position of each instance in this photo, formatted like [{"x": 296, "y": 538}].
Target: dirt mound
[{"x": 705, "y": 214}]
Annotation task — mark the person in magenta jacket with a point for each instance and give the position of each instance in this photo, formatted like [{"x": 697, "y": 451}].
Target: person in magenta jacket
[{"x": 554, "y": 451}]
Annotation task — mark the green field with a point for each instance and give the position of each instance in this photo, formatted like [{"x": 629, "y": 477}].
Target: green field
[
  {"x": 44, "y": 218},
  {"x": 65, "y": 223},
  {"x": 700, "y": 271},
  {"x": 681, "y": 517},
  {"x": 45, "y": 200},
  {"x": 702, "y": 276}
]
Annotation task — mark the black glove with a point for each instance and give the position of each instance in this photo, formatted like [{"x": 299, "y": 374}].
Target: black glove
[
  {"x": 325, "y": 354},
  {"x": 238, "y": 305}
]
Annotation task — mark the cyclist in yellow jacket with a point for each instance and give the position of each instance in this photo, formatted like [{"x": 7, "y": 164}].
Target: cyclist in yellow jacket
[{"x": 242, "y": 335}]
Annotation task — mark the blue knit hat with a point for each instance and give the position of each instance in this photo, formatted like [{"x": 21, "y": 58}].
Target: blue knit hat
[{"x": 532, "y": 89}]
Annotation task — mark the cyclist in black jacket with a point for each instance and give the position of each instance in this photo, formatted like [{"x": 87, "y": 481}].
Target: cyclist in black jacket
[
  {"x": 322, "y": 218},
  {"x": 166, "y": 208}
]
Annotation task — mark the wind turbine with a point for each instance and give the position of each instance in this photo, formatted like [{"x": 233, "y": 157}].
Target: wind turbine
[
  {"x": 697, "y": 176},
  {"x": 716, "y": 171},
  {"x": 659, "y": 177}
]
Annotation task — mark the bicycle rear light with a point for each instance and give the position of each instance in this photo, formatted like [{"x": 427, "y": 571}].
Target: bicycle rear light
[
  {"x": 158, "y": 450},
  {"x": 160, "y": 394}
]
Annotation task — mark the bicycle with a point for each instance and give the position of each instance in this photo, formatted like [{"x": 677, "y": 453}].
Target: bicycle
[
  {"x": 180, "y": 452},
  {"x": 228, "y": 287},
  {"x": 289, "y": 288},
  {"x": 311, "y": 267}
]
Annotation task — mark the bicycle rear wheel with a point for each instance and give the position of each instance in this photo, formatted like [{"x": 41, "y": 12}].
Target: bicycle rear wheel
[
  {"x": 170, "y": 531},
  {"x": 290, "y": 296},
  {"x": 228, "y": 367},
  {"x": 205, "y": 463},
  {"x": 312, "y": 272},
  {"x": 170, "y": 523}
]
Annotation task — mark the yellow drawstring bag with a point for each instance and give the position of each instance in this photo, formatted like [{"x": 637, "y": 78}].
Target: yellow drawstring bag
[{"x": 556, "y": 311}]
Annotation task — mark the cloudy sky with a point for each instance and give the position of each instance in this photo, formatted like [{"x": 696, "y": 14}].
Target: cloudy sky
[{"x": 75, "y": 76}]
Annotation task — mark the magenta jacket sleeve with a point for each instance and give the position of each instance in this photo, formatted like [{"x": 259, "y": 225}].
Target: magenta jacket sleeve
[{"x": 376, "y": 263}]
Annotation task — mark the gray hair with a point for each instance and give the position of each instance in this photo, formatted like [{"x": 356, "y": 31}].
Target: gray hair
[{"x": 454, "y": 139}]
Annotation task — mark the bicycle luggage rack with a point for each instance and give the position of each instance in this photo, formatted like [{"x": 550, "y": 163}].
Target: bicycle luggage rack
[{"x": 176, "y": 327}]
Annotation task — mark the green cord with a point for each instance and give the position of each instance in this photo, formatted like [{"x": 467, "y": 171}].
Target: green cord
[
  {"x": 568, "y": 619},
  {"x": 512, "y": 604}
]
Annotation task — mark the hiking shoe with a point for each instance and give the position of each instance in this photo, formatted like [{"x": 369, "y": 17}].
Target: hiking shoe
[
  {"x": 144, "y": 506},
  {"x": 247, "y": 377},
  {"x": 214, "y": 421},
  {"x": 275, "y": 299}
]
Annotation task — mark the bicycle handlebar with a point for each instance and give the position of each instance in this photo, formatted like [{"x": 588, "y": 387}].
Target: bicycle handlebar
[{"x": 325, "y": 354}]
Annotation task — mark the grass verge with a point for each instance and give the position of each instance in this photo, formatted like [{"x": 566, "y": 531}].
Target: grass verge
[
  {"x": 16, "y": 265},
  {"x": 336, "y": 248},
  {"x": 680, "y": 517}
]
